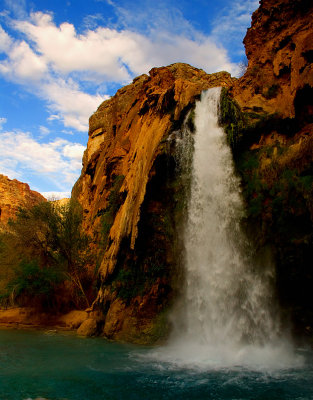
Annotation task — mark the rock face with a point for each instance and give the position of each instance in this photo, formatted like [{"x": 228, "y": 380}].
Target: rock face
[
  {"x": 127, "y": 149},
  {"x": 274, "y": 153},
  {"x": 28, "y": 317},
  {"x": 15, "y": 194},
  {"x": 279, "y": 47},
  {"x": 133, "y": 201}
]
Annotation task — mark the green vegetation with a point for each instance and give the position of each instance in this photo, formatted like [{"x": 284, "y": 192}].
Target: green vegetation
[
  {"x": 160, "y": 328},
  {"x": 271, "y": 91},
  {"x": 114, "y": 201},
  {"x": 45, "y": 259},
  {"x": 157, "y": 253},
  {"x": 277, "y": 185},
  {"x": 191, "y": 120},
  {"x": 35, "y": 283},
  {"x": 231, "y": 118},
  {"x": 278, "y": 191},
  {"x": 136, "y": 278},
  {"x": 244, "y": 129}
]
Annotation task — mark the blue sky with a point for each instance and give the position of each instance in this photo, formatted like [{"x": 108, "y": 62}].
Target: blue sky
[{"x": 60, "y": 59}]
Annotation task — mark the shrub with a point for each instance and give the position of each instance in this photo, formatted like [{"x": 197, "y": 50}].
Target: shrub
[
  {"x": 49, "y": 248},
  {"x": 35, "y": 285},
  {"x": 231, "y": 118}
]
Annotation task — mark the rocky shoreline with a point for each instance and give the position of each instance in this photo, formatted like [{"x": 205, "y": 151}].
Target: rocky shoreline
[{"x": 78, "y": 321}]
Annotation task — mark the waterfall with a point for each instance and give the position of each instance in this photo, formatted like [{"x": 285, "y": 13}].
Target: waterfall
[
  {"x": 226, "y": 299},
  {"x": 227, "y": 314}
]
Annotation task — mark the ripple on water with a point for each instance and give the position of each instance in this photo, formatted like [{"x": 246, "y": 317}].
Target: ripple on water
[{"x": 66, "y": 367}]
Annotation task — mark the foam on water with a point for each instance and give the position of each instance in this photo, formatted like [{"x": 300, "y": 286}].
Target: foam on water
[{"x": 37, "y": 366}]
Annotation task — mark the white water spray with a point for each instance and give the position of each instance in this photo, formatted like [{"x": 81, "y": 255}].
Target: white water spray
[{"x": 226, "y": 315}]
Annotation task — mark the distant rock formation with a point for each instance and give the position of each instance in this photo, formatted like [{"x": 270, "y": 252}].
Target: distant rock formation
[{"x": 13, "y": 195}]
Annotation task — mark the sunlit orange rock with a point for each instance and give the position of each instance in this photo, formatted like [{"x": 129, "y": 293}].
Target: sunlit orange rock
[
  {"x": 13, "y": 195},
  {"x": 126, "y": 135},
  {"x": 279, "y": 48}
]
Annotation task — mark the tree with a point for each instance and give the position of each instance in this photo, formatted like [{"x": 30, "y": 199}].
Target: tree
[{"x": 52, "y": 256}]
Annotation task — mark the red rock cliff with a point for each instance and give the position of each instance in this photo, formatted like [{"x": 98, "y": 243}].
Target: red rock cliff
[
  {"x": 126, "y": 135},
  {"x": 279, "y": 47},
  {"x": 275, "y": 155},
  {"x": 15, "y": 194},
  {"x": 122, "y": 187}
]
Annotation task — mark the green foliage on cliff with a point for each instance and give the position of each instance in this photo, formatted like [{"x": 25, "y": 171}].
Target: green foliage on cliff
[
  {"x": 231, "y": 118},
  {"x": 114, "y": 201},
  {"x": 278, "y": 189},
  {"x": 137, "y": 278},
  {"x": 191, "y": 120},
  {"x": 44, "y": 257},
  {"x": 277, "y": 185},
  {"x": 244, "y": 129},
  {"x": 155, "y": 256}
]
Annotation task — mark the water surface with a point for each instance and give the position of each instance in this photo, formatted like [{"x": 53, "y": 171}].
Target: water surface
[{"x": 62, "y": 366}]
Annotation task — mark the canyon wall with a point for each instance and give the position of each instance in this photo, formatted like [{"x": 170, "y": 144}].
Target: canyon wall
[
  {"x": 128, "y": 193},
  {"x": 13, "y": 195},
  {"x": 273, "y": 147},
  {"x": 279, "y": 75},
  {"x": 133, "y": 198}
]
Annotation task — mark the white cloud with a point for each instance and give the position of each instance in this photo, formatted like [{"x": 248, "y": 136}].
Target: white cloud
[
  {"x": 96, "y": 52},
  {"x": 63, "y": 95},
  {"x": 17, "y": 7},
  {"x": 53, "y": 117},
  {"x": 44, "y": 131},
  {"x": 59, "y": 160},
  {"x": 166, "y": 49},
  {"x": 72, "y": 106},
  {"x": 5, "y": 40},
  {"x": 74, "y": 151},
  {"x": 93, "y": 21},
  {"x": 118, "y": 55},
  {"x": 22, "y": 63},
  {"x": 53, "y": 61},
  {"x": 56, "y": 195}
]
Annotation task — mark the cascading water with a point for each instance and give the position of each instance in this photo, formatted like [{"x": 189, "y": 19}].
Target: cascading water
[{"x": 226, "y": 315}]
